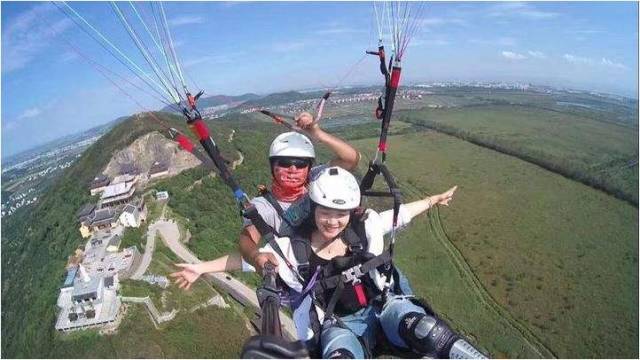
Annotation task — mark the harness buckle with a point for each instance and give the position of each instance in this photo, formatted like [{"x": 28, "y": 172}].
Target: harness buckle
[
  {"x": 356, "y": 247},
  {"x": 352, "y": 275}
]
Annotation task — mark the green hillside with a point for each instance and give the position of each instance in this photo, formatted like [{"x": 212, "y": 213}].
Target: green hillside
[
  {"x": 37, "y": 241},
  {"x": 196, "y": 331}
]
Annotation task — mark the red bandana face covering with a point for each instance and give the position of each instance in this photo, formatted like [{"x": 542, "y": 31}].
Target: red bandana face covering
[{"x": 289, "y": 183}]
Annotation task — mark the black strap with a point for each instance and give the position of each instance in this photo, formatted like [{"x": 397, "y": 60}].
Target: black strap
[
  {"x": 276, "y": 205},
  {"x": 251, "y": 212},
  {"x": 335, "y": 280},
  {"x": 394, "y": 190},
  {"x": 269, "y": 299},
  {"x": 268, "y": 233},
  {"x": 302, "y": 251},
  {"x": 334, "y": 300},
  {"x": 273, "y": 347},
  {"x": 355, "y": 243}
]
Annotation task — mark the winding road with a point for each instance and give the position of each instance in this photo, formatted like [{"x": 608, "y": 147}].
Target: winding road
[
  {"x": 148, "y": 254},
  {"x": 170, "y": 235}
]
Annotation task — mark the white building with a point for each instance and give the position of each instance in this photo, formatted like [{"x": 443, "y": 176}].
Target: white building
[
  {"x": 91, "y": 302},
  {"x": 162, "y": 195},
  {"x": 130, "y": 216}
]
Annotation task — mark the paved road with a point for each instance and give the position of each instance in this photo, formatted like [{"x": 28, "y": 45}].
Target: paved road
[
  {"x": 148, "y": 253},
  {"x": 170, "y": 235}
]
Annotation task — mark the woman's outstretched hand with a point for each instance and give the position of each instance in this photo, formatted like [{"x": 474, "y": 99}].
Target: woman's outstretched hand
[
  {"x": 444, "y": 198},
  {"x": 187, "y": 276}
]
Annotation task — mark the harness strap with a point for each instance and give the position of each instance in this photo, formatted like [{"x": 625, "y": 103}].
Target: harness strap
[
  {"x": 355, "y": 272},
  {"x": 301, "y": 251},
  {"x": 251, "y": 212},
  {"x": 268, "y": 233},
  {"x": 276, "y": 205},
  {"x": 334, "y": 300}
]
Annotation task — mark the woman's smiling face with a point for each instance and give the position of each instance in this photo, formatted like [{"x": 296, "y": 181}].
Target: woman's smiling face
[{"x": 331, "y": 222}]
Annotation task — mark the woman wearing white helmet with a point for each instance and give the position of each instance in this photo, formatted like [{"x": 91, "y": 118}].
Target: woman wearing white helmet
[
  {"x": 336, "y": 256},
  {"x": 291, "y": 158}
]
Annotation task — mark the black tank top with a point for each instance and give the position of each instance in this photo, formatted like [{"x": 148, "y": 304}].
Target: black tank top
[
  {"x": 315, "y": 261},
  {"x": 348, "y": 302}
]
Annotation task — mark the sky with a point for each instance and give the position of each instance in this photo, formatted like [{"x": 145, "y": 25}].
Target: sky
[{"x": 50, "y": 89}]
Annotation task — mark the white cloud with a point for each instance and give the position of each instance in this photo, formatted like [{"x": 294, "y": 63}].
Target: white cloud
[
  {"x": 586, "y": 32},
  {"x": 29, "y": 113},
  {"x": 69, "y": 56},
  {"x": 577, "y": 59},
  {"x": 186, "y": 20},
  {"x": 10, "y": 125},
  {"x": 537, "y": 54},
  {"x": 513, "y": 56},
  {"x": 518, "y": 9},
  {"x": 29, "y": 34},
  {"x": 591, "y": 62},
  {"x": 229, "y": 4},
  {"x": 613, "y": 64}
]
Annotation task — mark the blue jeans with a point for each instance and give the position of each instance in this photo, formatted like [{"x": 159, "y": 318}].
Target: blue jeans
[{"x": 366, "y": 324}]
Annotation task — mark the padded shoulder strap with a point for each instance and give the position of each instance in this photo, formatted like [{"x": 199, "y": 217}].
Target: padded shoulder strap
[
  {"x": 301, "y": 251},
  {"x": 355, "y": 236}
]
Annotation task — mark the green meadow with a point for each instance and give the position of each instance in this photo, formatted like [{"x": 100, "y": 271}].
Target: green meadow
[
  {"x": 522, "y": 256},
  {"x": 599, "y": 153}
]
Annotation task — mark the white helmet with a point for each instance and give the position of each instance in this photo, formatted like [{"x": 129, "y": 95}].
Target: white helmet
[
  {"x": 292, "y": 144},
  {"x": 335, "y": 188}
]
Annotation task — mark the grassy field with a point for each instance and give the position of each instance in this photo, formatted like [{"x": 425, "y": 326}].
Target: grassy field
[
  {"x": 193, "y": 333},
  {"x": 559, "y": 256},
  {"x": 594, "y": 152}
]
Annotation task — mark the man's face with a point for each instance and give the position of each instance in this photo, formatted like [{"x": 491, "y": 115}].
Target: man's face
[{"x": 291, "y": 172}]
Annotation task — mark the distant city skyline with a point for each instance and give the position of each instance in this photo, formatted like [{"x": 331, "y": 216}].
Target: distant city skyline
[{"x": 231, "y": 48}]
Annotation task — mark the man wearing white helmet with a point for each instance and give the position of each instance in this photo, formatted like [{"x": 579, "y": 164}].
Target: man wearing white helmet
[
  {"x": 291, "y": 158},
  {"x": 338, "y": 252}
]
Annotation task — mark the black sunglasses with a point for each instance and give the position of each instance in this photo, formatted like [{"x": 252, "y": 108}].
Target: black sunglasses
[{"x": 287, "y": 162}]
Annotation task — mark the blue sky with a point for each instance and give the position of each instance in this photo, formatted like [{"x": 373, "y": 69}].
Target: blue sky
[{"x": 49, "y": 91}]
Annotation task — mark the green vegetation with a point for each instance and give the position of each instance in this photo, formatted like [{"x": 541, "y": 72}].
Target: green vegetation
[
  {"x": 134, "y": 237},
  {"x": 188, "y": 335},
  {"x": 37, "y": 242},
  {"x": 557, "y": 255},
  {"x": 193, "y": 333},
  {"x": 600, "y": 154},
  {"x": 525, "y": 262}
]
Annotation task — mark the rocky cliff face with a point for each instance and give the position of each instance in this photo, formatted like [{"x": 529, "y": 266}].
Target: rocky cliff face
[{"x": 145, "y": 151}]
